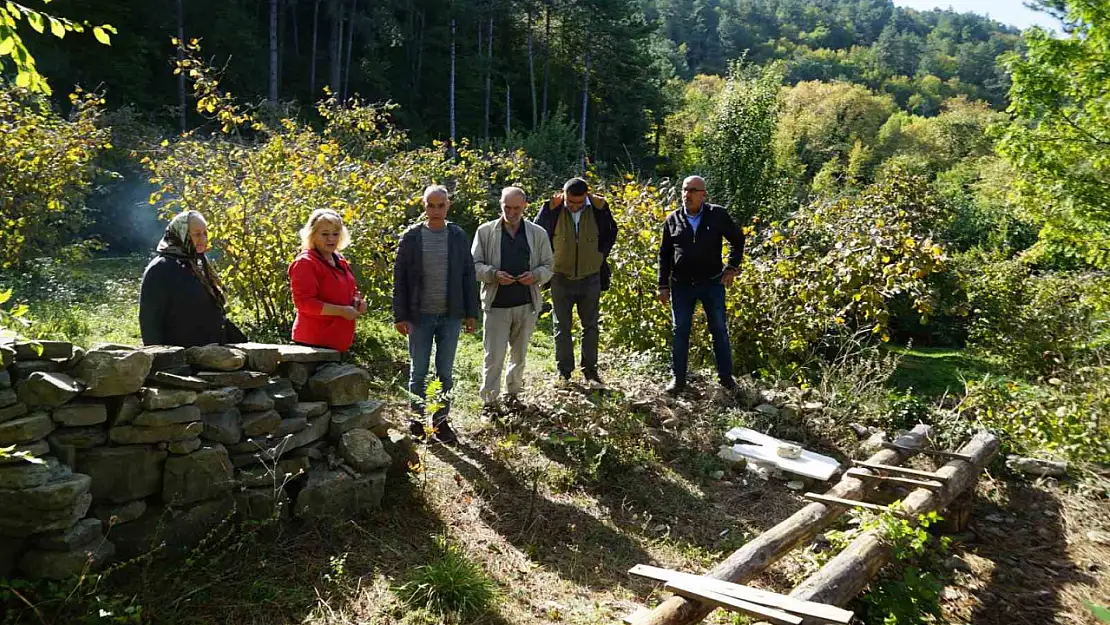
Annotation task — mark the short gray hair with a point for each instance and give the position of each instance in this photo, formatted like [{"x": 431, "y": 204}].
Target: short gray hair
[
  {"x": 433, "y": 189},
  {"x": 508, "y": 192}
]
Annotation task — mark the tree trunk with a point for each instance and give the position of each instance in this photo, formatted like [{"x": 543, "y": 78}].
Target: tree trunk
[
  {"x": 296, "y": 29},
  {"x": 419, "y": 54},
  {"x": 181, "y": 99},
  {"x": 489, "y": 75},
  {"x": 451, "y": 93},
  {"x": 350, "y": 44},
  {"x": 336, "y": 49},
  {"x": 508, "y": 108},
  {"x": 585, "y": 107},
  {"x": 315, "y": 34},
  {"x": 546, "y": 57},
  {"x": 532, "y": 69},
  {"x": 273, "y": 95}
]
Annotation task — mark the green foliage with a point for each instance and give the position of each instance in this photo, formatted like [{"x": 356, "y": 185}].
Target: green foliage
[
  {"x": 450, "y": 583},
  {"x": 737, "y": 150},
  {"x": 11, "y": 43},
  {"x": 1058, "y": 142},
  {"x": 47, "y": 165},
  {"x": 1068, "y": 417},
  {"x": 1101, "y": 613}
]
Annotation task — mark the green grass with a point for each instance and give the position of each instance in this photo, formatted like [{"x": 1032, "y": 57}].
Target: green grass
[
  {"x": 934, "y": 371},
  {"x": 450, "y": 583}
]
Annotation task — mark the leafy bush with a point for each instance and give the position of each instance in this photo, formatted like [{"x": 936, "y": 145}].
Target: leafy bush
[
  {"x": 450, "y": 583},
  {"x": 46, "y": 169},
  {"x": 1068, "y": 418}
]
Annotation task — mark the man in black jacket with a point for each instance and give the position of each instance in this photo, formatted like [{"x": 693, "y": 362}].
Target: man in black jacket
[
  {"x": 582, "y": 232},
  {"x": 690, "y": 270},
  {"x": 434, "y": 294}
]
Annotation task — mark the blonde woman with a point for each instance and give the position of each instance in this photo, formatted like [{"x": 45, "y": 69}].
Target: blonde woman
[{"x": 324, "y": 289}]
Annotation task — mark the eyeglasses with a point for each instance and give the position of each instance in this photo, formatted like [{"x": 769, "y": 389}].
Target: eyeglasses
[{"x": 692, "y": 190}]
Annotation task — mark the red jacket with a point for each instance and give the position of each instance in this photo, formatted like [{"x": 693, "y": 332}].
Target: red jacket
[{"x": 314, "y": 282}]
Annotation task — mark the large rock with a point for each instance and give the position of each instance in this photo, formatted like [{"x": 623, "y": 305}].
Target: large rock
[
  {"x": 79, "y": 438},
  {"x": 165, "y": 357},
  {"x": 308, "y": 409},
  {"x": 43, "y": 350},
  {"x": 340, "y": 385},
  {"x": 121, "y": 474},
  {"x": 261, "y": 504},
  {"x": 80, "y": 413},
  {"x": 363, "y": 451},
  {"x": 56, "y": 505},
  {"x": 261, "y": 356},
  {"x": 297, "y": 373},
  {"x": 23, "y": 369},
  {"x": 330, "y": 495},
  {"x": 136, "y": 435},
  {"x": 13, "y": 411},
  {"x": 113, "y": 514},
  {"x": 124, "y": 410},
  {"x": 41, "y": 563},
  {"x": 82, "y": 533},
  {"x": 239, "y": 379},
  {"x": 25, "y": 429},
  {"x": 257, "y": 400},
  {"x": 216, "y": 358},
  {"x": 47, "y": 389},
  {"x": 172, "y": 380},
  {"x": 403, "y": 452},
  {"x": 261, "y": 423},
  {"x": 316, "y": 430},
  {"x": 223, "y": 427},
  {"x": 219, "y": 399},
  {"x": 203, "y": 474},
  {"x": 365, "y": 414},
  {"x": 27, "y": 474},
  {"x": 161, "y": 418},
  {"x": 153, "y": 398},
  {"x": 8, "y": 397},
  {"x": 109, "y": 372},
  {"x": 181, "y": 448},
  {"x": 179, "y": 528},
  {"x": 303, "y": 354},
  {"x": 290, "y": 426}
]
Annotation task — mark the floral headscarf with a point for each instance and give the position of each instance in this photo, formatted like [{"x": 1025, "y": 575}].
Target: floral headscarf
[{"x": 176, "y": 243}]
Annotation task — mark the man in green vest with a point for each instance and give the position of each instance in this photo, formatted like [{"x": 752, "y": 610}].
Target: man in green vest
[{"x": 582, "y": 232}]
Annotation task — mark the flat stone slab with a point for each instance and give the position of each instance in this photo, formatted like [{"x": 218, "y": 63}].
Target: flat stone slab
[
  {"x": 113, "y": 372},
  {"x": 240, "y": 379},
  {"x": 363, "y": 450},
  {"x": 42, "y": 563},
  {"x": 181, "y": 448},
  {"x": 297, "y": 373},
  {"x": 216, "y": 358},
  {"x": 8, "y": 397},
  {"x": 223, "y": 427},
  {"x": 303, "y": 354},
  {"x": 80, "y": 413},
  {"x": 260, "y": 356},
  {"x": 27, "y": 474},
  {"x": 13, "y": 411},
  {"x": 43, "y": 350},
  {"x": 261, "y": 423},
  {"x": 219, "y": 399},
  {"x": 290, "y": 426},
  {"x": 172, "y": 380},
  {"x": 329, "y": 495},
  {"x": 122, "y": 474},
  {"x": 80, "y": 437},
  {"x": 203, "y": 474},
  {"x": 256, "y": 400},
  {"x": 22, "y": 369},
  {"x": 26, "y": 429},
  {"x": 37, "y": 449},
  {"x": 261, "y": 504},
  {"x": 136, "y": 435},
  {"x": 124, "y": 409},
  {"x": 316, "y": 430},
  {"x": 56, "y": 505},
  {"x": 165, "y": 357},
  {"x": 119, "y": 513},
  {"x": 340, "y": 385},
  {"x": 365, "y": 414},
  {"x": 82, "y": 533},
  {"x": 308, "y": 409},
  {"x": 5, "y": 378},
  {"x": 47, "y": 389},
  {"x": 153, "y": 398},
  {"x": 161, "y": 418}
]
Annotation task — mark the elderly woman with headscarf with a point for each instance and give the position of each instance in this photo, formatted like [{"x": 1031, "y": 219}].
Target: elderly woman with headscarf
[
  {"x": 180, "y": 302},
  {"x": 323, "y": 285}
]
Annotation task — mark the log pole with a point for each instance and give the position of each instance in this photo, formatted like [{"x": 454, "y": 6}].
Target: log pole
[{"x": 752, "y": 559}]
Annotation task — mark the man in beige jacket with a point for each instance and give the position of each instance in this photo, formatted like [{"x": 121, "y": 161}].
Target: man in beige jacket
[{"x": 512, "y": 258}]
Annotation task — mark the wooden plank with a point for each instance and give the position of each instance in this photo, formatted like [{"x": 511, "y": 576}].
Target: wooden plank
[
  {"x": 810, "y": 464},
  {"x": 899, "y": 470},
  {"x": 698, "y": 592},
  {"x": 821, "y": 612},
  {"x": 929, "y": 452},
  {"x": 890, "y": 479},
  {"x": 755, "y": 556},
  {"x": 851, "y": 503}
]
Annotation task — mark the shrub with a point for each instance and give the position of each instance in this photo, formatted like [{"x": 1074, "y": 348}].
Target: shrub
[{"x": 450, "y": 582}]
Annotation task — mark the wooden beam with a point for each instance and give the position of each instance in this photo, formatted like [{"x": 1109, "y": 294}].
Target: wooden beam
[
  {"x": 824, "y": 613},
  {"x": 752, "y": 559},
  {"x": 878, "y": 466},
  {"x": 847, "y": 574},
  {"x": 699, "y": 592},
  {"x": 899, "y": 481},
  {"x": 839, "y": 501},
  {"x": 930, "y": 452}
]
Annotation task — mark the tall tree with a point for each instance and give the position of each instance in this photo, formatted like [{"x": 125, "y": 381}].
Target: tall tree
[
  {"x": 532, "y": 68},
  {"x": 335, "y": 81},
  {"x": 312, "y": 62},
  {"x": 489, "y": 74},
  {"x": 273, "y": 95},
  {"x": 585, "y": 106},
  {"x": 451, "y": 89},
  {"x": 350, "y": 45}
]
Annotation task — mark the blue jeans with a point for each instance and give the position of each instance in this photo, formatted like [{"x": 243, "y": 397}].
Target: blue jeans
[
  {"x": 444, "y": 331},
  {"x": 712, "y": 297}
]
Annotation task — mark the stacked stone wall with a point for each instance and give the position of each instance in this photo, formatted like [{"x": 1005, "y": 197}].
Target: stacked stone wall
[{"x": 142, "y": 447}]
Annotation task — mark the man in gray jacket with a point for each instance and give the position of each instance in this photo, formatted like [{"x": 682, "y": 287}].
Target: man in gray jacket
[{"x": 512, "y": 258}]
